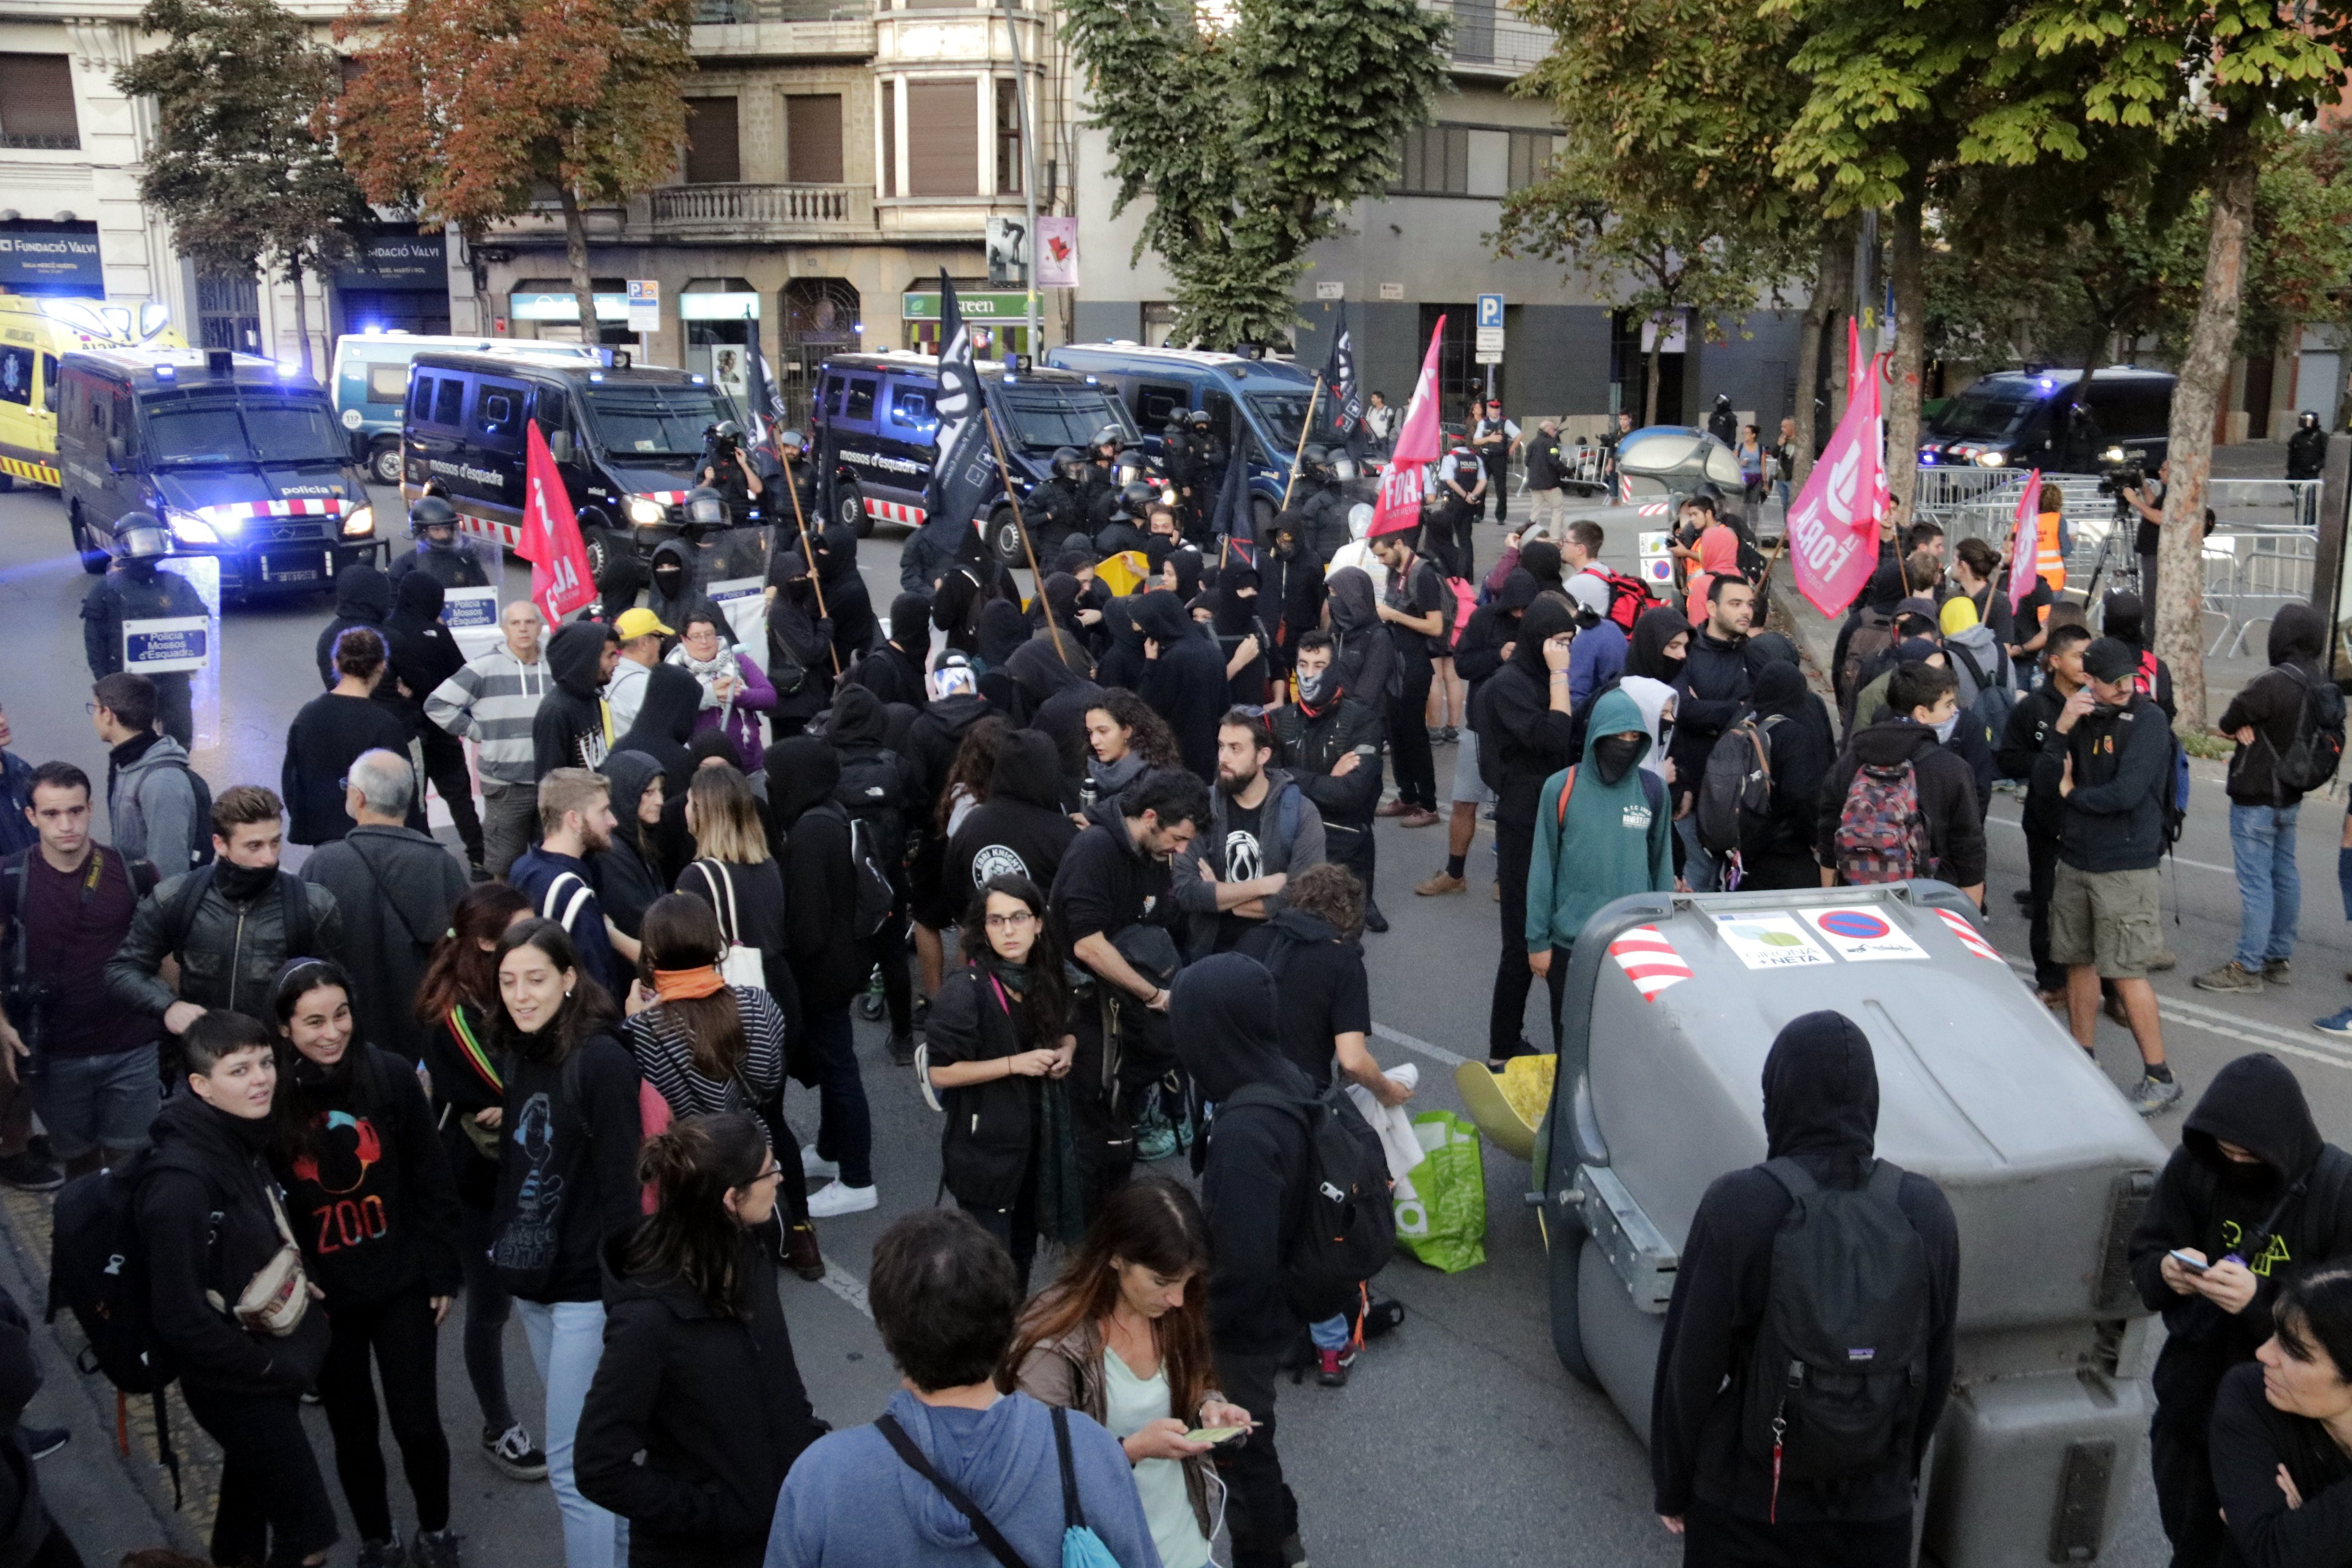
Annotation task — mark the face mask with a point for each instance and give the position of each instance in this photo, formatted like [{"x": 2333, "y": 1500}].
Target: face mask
[
  {"x": 1319, "y": 687},
  {"x": 1615, "y": 756},
  {"x": 241, "y": 882},
  {"x": 1945, "y": 731},
  {"x": 667, "y": 578}
]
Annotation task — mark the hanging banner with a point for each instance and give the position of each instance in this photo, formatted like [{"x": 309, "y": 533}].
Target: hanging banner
[
  {"x": 744, "y": 602},
  {"x": 163, "y": 646},
  {"x": 1058, "y": 252},
  {"x": 1833, "y": 523},
  {"x": 1419, "y": 441}
]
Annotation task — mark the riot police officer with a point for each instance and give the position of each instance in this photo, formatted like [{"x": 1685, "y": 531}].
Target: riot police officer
[
  {"x": 1196, "y": 464},
  {"x": 134, "y": 590},
  {"x": 2306, "y": 449},
  {"x": 1056, "y": 509},
  {"x": 1102, "y": 460},
  {"x": 1123, "y": 530},
  {"x": 726, "y": 468},
  {"x": 796, "y": 464},
  {"x": 433, "y": 523}
]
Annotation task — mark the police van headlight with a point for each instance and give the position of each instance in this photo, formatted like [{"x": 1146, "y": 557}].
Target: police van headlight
[
  {"x": 358, "y": 522},
  {"x": 1992, "y": 459},
  {"x": 189, "y": 529},
  {"x": 645, "y": 512}
]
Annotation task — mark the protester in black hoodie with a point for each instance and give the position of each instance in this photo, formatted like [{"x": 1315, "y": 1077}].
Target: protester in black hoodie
[
  {"x": 1240, "y": 625},
  {"x": 1922, "y": 695},
  {"x": 800, "y": 648},
  {"x": 1183, "y": 678},
  {"x": 362, "y": 599},
  {"x": 1492, "y": 628},
  {"x": 665, "y": 723},
  {"x": 1291, "y": 587},
  {"x": 1367, "y": 657},
  {"x": 673, "y": 596},
  {"x": 2254, "y": 1192},
  {"x": 1058, "y": 695},
  {"x": 1524, "y": 729},
  {"x": 698, "y": 1409},
  {"x": 1718, "y": 677},
  {"x": 965, "y": 590},
  {"x": 893, "y": 670},
  {"x": 1539, "y": 559},
  {"x": 888, "y": 798},
  {"x": 1122, "y": 662},
  {"x": 207, "y": 1211},
  {"x": 424, "y": 654},
  {"x": 1022, "y": 828},
  {"x": 1252, "y": 1160},
  {"x": 369, "y": 1190},
  {"x": 1821, "y": 1111},
  {"x": 631, "y": 871},
  {"x": 1797, "y": 737},
  {"x": 574, "y": 729},
  {"x": 567, "y": 1186},
  {"x": 847, "y": 602},
  {"x": 820, "y": 897},
  {"x": 1331, "y": 744}
]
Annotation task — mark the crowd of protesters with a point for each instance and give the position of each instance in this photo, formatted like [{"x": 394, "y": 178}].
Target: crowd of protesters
[{"x": 1128, "y": 843}]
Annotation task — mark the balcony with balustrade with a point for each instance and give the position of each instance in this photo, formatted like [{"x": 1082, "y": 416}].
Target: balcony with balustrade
[
  {"x": 783, "y": 29},
  {"x": 762, "y": 214},
  {"x": 1491, "y": 40}
]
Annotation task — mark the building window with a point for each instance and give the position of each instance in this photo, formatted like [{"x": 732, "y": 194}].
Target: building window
[
  {"x": 889, "y": 181},
  {"x": 943, "y": 138},
  {"x": 37, "y": 102},
  {"x": 1530, "y": 152},
  {"x": 813, "y": 140},
  {"x": 1008, "y": 136},
  {"x": 713, "y": 152},
  {"x": 1158, "y": 321},
  {"x": 1469, "y": 161}
]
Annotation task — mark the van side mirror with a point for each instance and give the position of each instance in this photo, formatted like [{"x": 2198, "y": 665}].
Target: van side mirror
[
  {"x": 559, "y": 445},
  {"x": 118, "y": 453}
]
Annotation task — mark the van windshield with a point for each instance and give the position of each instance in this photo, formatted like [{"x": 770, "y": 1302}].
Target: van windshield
[
  {"x": 643, "y": 420},
  {"x": 1989, "y": 411},
  {"x": 1283, "y": 412},
  {"x": 249, "y": 430},
  {"x": 1063, "y": 416}
]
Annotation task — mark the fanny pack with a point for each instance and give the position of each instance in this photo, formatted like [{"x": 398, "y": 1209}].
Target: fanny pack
[{"x": 277, "y": 1298}]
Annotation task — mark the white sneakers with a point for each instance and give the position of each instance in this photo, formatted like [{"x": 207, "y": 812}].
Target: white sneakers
[
  {"x": 840, "y": 1198},
  {"x": 814, "y": 1164}
]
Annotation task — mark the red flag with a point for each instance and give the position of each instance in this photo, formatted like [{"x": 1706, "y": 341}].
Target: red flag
[
  {"x": 561, "y": 581},
  {"x": 1420, "y": 440},
  {"x": 1834, "y": 523},
  {"x": 2025, "y": 542}
]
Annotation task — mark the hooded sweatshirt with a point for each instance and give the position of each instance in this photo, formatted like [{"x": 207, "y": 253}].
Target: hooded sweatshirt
[
  {"x": 1491, "y": 627},
  {"x": 1531, "y": 740},
  {"x": 1236, "y": 617},
  {"x": 1367, "y": 659},
  {"x": 1947, "y": 798},
  {"x": 1652, "y": 697},
  {"x": 494, "y": 701},
  {"x": 150, "y": 803},
  {"x": 673, "y": 595},
  {"x": 1820, "y": 1109},
  {"x": 1619, "y": 838},
  {"x": 1021, "y": 829},
  {"x": 847, "y": 602},
  {"x": 851, "y": 1502},
  {"x": 2270, "y": 705},
  {"x": 1652, "y": 630},
  {"x": 664, "y": 720},
  {"x": 1186, "y": 683},
  {"x": 893, "y": 670},
  {"x": 1251, "y": 1158},
  {"x": 362, "y": 599},
  {"x": 2208, "y": 1201},
  {"x": 628, "y": 872},
  {"x": 573, "y": 729},
  {"x": 424, "y": 654},
  {"x": 1801, "y": 751},
  {"x": 820, "y": 884}
]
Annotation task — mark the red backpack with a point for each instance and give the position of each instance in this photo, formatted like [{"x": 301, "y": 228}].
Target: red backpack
[
  {"x": 1881, "y": 835},
  {"x": 1628, "y": 598}
]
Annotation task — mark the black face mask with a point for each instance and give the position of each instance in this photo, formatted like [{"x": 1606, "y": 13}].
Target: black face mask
[
  {"x": 1319, "y": 687},
  {"x": 241, "y": 882},
  {"x": 668, "y": 577},
  {"x": 1614, "y": 756}
]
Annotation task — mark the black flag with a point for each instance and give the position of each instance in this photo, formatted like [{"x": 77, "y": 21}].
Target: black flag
[
  {"x": 1235, "y": 518},
  {"x": 964, "y": 470},
  {"x": 1339, "y": 384}
]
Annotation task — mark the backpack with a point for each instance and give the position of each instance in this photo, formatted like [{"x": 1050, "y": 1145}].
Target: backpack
[
  {"x": 293, "y": 902},
  {"x": 1881, "y": 835},
  {"x": 1628, "y": 596},
  {"x": 1838, "y": 1368},
  {"x": 1461, "y": 601},
  {"x": 1081, "y": 1547},
  {"x": 1735, "y": 794},
  {"x": 554, "y": 905},
  {"x": 1873, "y": 635},
  {"x": 2316, "y": 749},
  {"x": 1346, "y": 1229},
  {"x": 1995, "y": 700},
  {"x": 875, "y": 897},
  {"x": 98, "y": 1272},
  {"x": 869, "y": 792},
  {"x": 200, "y": 852}
]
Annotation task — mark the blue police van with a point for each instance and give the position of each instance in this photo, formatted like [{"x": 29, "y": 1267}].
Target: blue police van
[
  {"x": 873, "y": 412},
  {"x": 368, "y": 380},
  {"x": 2019, "y": 420},
  {"x": 242, "y": 461}
]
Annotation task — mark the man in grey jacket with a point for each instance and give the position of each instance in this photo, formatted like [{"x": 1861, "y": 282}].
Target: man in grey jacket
[
  {"x": 151, "y": 795},
  {"x": 492, "y": 702},
  {"x": 1264, "y": 831}
]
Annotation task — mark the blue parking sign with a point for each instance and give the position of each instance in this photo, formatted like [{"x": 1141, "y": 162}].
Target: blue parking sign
[{"x": 1490, "y": 310}]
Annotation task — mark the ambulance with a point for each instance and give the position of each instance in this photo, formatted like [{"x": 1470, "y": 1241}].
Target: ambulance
[{"x": 36, "y": 333}]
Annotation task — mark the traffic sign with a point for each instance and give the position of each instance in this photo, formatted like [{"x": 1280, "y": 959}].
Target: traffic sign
[
  {"x": 1490, "y": 340},
  {"x": 644, "y": 304},
  {"x": 1484, "y": 358},
  {"x": 1490, "y": 311}
]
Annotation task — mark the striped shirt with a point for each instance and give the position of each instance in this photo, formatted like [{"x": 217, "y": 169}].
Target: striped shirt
[
  {"x": 666, "y": 1057},
  {"x": 492, "y": 702}
]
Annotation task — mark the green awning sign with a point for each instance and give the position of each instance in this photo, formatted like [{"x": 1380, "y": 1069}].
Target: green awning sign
[{"x": 1007, "y": 307}]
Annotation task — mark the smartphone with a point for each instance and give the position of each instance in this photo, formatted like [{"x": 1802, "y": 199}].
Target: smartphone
[
  {"x": 1213, "y": 1434},
  {"x": 2193, "y": 1264}
]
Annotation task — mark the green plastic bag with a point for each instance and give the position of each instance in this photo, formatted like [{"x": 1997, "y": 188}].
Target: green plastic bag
[{"x": 1442, "y": 1222}]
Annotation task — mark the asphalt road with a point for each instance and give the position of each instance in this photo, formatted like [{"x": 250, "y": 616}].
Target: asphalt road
[{"x": 1460, "y": 1435}]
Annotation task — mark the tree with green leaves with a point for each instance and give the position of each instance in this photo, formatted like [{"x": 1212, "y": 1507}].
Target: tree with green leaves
[
  {"x": 466, "y": 109},
  {"x": 235, "y": 168},
  {"x": 1250, "y": 140}
]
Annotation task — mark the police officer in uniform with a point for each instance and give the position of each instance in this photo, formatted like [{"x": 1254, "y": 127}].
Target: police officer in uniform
[
  {"x": 1056, "y": 508},
  {"x": 2306, "y": 449},
  {"x": 1103, "y": 453},
  {"x": 726, "y": 468},
  {"x": 433, "y": 523},
  {"x": 134, "y": 590},
  {"x": 1325, "y": 510},
  {"x": 1123, "y": 529}
]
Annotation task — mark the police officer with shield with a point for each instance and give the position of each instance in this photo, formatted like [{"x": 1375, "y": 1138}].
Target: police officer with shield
[{"x": 134, "y": 590}]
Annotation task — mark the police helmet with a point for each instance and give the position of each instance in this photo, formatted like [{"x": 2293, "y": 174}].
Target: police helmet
[
  {"x": 1108, "y": 435},
  {"x": 727, "y": 430},
  {"x": 1132, "y": 465},
  {"x": 791, "y": 440},
  {"x": 1199, "y": 417},
  {"x": 1343, "y": 467},
  {"x": 2308, "y": 420},
  {"x": 1135, "y": 496},
  {"x": 430, "y": 512},
  {"x": 141, "y": 536},
  {"x": 1065, "y": 458},
  {"x": 705, "y": 508},
  {"x": 1314, "y": 458}
]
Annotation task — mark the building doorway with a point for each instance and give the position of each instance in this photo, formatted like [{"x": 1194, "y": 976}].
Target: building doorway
[{"x": 820, "y": 318}]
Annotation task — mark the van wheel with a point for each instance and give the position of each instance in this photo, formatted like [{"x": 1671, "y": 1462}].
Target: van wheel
[
  {"x": 849, "y": 509},
  {"x": 598, "y": 542},
  {"x": 1004, "y": 538},
  {"x": 384, "y": 463},
  {"x": 93, "y": 560},
  {"x": 7, "y": 483}
]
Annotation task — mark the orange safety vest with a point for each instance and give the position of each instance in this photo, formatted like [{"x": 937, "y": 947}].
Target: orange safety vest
[{"x": 2050, "y": 558}]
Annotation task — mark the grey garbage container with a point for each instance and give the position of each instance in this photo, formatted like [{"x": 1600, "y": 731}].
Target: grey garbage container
[{"x": 1673, "y": 1000}]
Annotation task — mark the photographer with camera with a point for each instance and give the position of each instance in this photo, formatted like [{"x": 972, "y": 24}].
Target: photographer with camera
[
  {"x": 726, "y": 468},
  {"x": 2136, "y": 495}
]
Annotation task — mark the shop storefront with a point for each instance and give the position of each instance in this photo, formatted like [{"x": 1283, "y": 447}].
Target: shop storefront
[
  {"x": 398, "y": 282},
  {"x": 38, "y": 258},
  {"x": 997, "y": 321},
  {"x": 547, "y": 307}
]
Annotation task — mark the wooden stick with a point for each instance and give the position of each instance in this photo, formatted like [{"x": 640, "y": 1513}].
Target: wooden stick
[
  {"x": 1305, "y": 425},
  {"x": 1021, "y": 528},
  {"x": 808, "y": 551}
]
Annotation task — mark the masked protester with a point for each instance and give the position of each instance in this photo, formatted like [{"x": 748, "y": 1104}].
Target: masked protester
[
  {"x": 969, "y": 583},
  {"x": 362, "y": 599},
  {"x": 1330, "y": 744},
  {"x": 1242, "y": 634},
  {"x": 1290, "y": 582},
  {"x": 1527, "y": 725},
  {"x": 893, "y": 669},
  {"x": 1494, "y": 627}
]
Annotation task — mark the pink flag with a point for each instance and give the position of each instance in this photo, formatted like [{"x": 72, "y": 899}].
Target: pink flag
[
  {"x": 1833, "y": 524},
  {"x": 560, "y": 578},
  {"x": 2025, "y": 542},
  {"x": 1419, "y": 442}
]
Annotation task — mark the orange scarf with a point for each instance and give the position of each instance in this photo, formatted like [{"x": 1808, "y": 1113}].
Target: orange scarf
[{"x": 674, "y": 984}]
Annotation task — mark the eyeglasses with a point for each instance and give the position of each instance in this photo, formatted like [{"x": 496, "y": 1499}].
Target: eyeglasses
[
  {"x": 772, "y": 1174},
  {"x": 1008, "y": 923}
]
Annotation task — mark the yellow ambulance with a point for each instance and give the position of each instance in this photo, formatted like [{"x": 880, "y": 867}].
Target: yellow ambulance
[{"x": 36, "y": 332}]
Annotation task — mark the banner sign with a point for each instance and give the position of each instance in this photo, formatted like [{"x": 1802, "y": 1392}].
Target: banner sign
[
  {"x": 1419, "y": 439},
  {"x": 472, "y": 616},
  {"x": 744, "y": 602},
  {"x": 170, "y": 643},
  {"x": 1833, "y": 523}
]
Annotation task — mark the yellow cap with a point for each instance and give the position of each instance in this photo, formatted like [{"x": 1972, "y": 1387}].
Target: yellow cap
[
  {"x": 1959, "y": 614},
  {"x": 634, "y": 624}
]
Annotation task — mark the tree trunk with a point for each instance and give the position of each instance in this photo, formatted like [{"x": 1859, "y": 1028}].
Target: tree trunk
[
  {"x": 1837, "y": 300},
  {"x": 575, "y": 256},
  {"x": 2204, "y": 374},
  {"x": 2071, "y": 445},
  {"x": 1837, "y": 259},
  {"x": 1907, "y": 364},
  {"x": 1650, "y": 381},
  {"x": 301, "y": 319}
]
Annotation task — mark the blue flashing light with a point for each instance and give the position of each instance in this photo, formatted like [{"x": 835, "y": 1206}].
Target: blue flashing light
[
  {"x": 700, "y": 379},
  {"x": 285, "y": 369},
  {"x": 595, "y": 376},
  {"x": 165, "y": 371},
  {"x": 1093, "y": 381},
  {"x": 2048, "y": 383}
]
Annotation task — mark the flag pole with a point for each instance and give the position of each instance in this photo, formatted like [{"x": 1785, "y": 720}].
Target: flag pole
[
  {"x": 808, "y": 551},
  {"x": 1305, "y": 426},
  {"x": 1027, "y": 549}
]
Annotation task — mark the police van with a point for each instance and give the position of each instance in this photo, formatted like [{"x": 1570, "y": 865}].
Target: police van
[
  {"x": 242, "y": 460},
  {"x": 628, "y": 440},
  {"x": 37, "y": 331},
  {"x": 876, "y": 412},
  {"x": 2013, "y": 419},
  {"x": 370, "y": 382}
]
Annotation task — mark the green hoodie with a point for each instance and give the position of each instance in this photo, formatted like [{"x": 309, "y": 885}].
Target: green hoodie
[{"x": 1619, "y": 838}]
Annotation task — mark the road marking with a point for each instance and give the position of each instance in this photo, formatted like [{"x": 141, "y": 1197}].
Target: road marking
[
  {"x": 1398, "y": 1037},
  {"x": 2212, "y": 1021},
  {"x": 846, "y": 1286},
  {"x": 2175, "y": 859}
]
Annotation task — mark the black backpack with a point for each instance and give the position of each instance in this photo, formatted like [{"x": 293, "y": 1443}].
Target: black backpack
[
  {"x": 293, "y": 902},
  {"x": 200, "y": 852},
  {"x": 98, "y": 1272},
  {"x": 1345, "y": 1228},
  {"x": 869, "y": 791},
  {"x": 875, "y": 897},
  {"x": 1735, "y": 794},
  {"x": 2312, "y": 757},
  {"x": 1839, "y": 1364}
]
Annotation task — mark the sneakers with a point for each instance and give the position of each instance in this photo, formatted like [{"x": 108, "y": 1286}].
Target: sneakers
[
  {"x": 815, "y": 1164},
  {"x": 1374, "y": 922},
  {"x": 2277, "y": 972},
  {"x": 902, "y": 1050},
  {"x": 28, "y": 1173},
  {"x": 1397, "y": 807},
  {"x": 477, "y": 872},
  {"x": 383, "y": 1553},
  {"x": 800, "y": 1254},
  {"x": 42, "y": 1441},
  {"x": 1155, "y": 1143},
  {"x": 1332, "y": 1366},
  {"x": 1418, "y": 816},
  {"x": 2335, "y": 1023},
  {"x": 840, "y": 1198},
  {"x": 436, "y": 1548},
  {"x": 510, "y": 1453},
  {"x": 1440, "y": 885},
  {"x": 2024, "y": 897},
  {"x": 2231, "y": 976},
  {"x": 2154, "y": 1098},
  {"x": 1381, "y": 1316}
]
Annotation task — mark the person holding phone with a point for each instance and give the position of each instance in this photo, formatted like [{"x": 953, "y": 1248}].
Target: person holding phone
[{"x": 1123, "y": 1336}]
